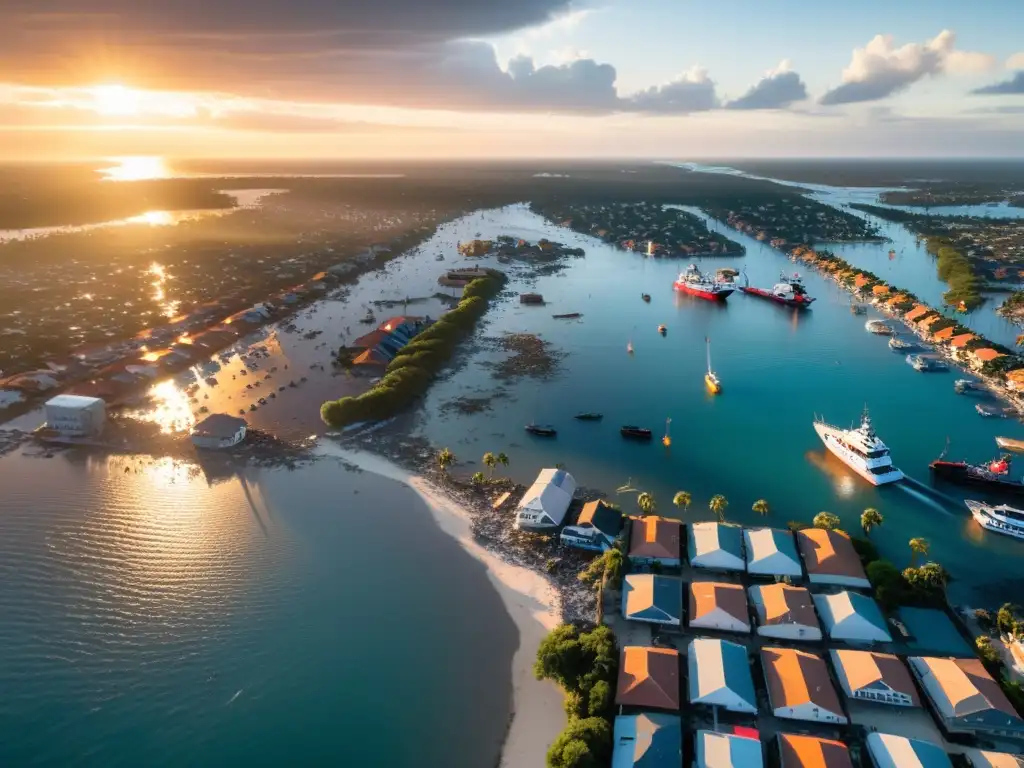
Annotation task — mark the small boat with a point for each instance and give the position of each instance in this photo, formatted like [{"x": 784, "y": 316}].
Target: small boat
[
  {"x": 589, "y": 416},
  {"x": 1010, "y": 444},
  {"x": 925, "y": 364},
  {"x": 900, "y": 344},
  {"x": 368, "y": 318},
  {"x": 994, "y": 474},
  {"x": 439, "y": 257},
  {"x": 858, "y": 309},
  {"x": 662, "y": 330},
  {"x": 711, "y": 378},
  {"x": 988, "y": 411},
  {"x": 629, "y": 347},
  {"x": 635, "y": 432},
  {"x": 962, "y": 386},
  {"x": 646, "y": 297},
  {"x": 543, "y": 430},
  {"x": 667, "y": 439},
  {"x": 1002, "y": 519},
  {"x": 878, "y": 327},
  {"x": 531, "y": 298},
  {"x": 568, "y": 316},
  {"x": 726, "y": 274}
]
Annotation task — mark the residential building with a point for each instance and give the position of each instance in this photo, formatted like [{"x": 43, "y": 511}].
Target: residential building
[
  {"x": 727, "y": 750},
  {"x": 800, "y": 751},
  {"x": 930, "y": 632},
  {"x": 716, "y": 605},
  {"x": 785, "y": 612},
  {"x": 716, "y": 546},
  {"x": 965, "y": 698},
  {"x": 799, "y": 686},
  {"x": 384, "y": 342},
  {"x": 655, "y": 539},
  {"x": 872, "y": 676},
  {"x": 719, "y": 675},
  {"x": 852, "y": 617},
  {"x": 75, "y": 415},
  {"x": 771, "y": 552},
  {"x": 647, "y": 740},
  {"x": 980, "y": 758},
  {"x": 831, "y": 559},
  {"x": 890, "y": 751},
  {"x": 545, "y": 503},
  {"x": 653, "y": 598},
  {"x": 596, "y": 529},
  {"x": 218, "y": 430},
  {"x": 648, "y": 678}
]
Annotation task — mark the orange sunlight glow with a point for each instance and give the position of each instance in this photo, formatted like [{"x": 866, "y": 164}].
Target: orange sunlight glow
[
  {"x": 136, "y": 168},
  {"x": 116, "y": 100}
]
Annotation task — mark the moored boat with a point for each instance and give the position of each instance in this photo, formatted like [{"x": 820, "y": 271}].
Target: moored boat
[
  {"x": 714, "y": 384},
  {"x": 589, "y": 416},
  {"x": 1001, "y": 519},
  {"x": 926, "y": 364},
  {"x": 878, "y": 328},
  {"x": 662, "y": 330},
  {"x": 646, "y": 297},
  {"x": 568, "y": 316},
  {"x": 542, "y": 430},
  {"x": 961, "y": 386},
  {"x": 788, "y": 291},
  {"x": 858, "y": 309},
  {"x": 1010, "y": 444},
  {"x": 897, "y": 343},
  {"x": 635, "y": 433},
  {"x": 988, "y": 411},
  {"x": 994, "y": 475},
  {"x": 695, "y": 283},
  {"x": 860, "y": 449}
]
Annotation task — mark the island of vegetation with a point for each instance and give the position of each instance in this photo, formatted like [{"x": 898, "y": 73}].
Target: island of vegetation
[
  {"x": 655, "y": 229},
  {"x": 1013, "y": 308},
  {"x": 955, "y": 193}
]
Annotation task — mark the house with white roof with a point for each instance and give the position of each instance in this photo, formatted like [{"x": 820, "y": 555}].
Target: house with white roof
[
  {"x": 716, "y": 546},
  {"x": 545, "y": 503},
  {"x": 852, "y": 617},
  {"x": 890, "y": 751},
  {"x": 772, "y": 552},
  {"x": 785, "y": 612},
  {"x": 719, "y": 675},
  {"x": 727, "y": 750},
  {"x": 965, "y": 698},
  {"x": 870, "y": 676}
]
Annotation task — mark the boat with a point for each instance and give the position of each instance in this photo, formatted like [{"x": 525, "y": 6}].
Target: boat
[
  {"x": 860, "y": 449},
  {"x": 662, "y": 330},
  {"x": 1010, "y": 444},
  {"x": 568, "y": 316},
  {"x": 711, "y": 378},
  {"x": 635, "y": 432},
  {"x": 646, "y": 297},
  {"x": 1002, "y": 519},
  {"x": 695, "y": 283},
  {"x": 788, "y": 291},
  {"x": 962, "y": 386},
  {"x": 899, "y": 344},
  {"x": 368, "y": 318},
  {"x": 878, "y": 327},
  {"x": 995, "y": 474},
  {"x": 988, "y": 411},
  {"x": 589, "y": 416},
  {"x": 858, "y": 309},
  {"x": 926, "y": 364},
  {"x": 543, "y": 430},
  {"x": 439, "y": 257},
  {"x": 726, "y": 275},
  {"x": 629, "y": 347},
  {"x": 667, "y": 439},
  {"x": 531, "y": 298}
]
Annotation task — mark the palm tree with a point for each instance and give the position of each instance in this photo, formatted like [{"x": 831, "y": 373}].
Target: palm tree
[
  {"x": 682, "y": 500},
  {"x": 761, "y": 507},
  {"x": 503, "y": 459},
  {"x": 918, "y": 547},
  {"x": 444, "y": 460},
  {"x": 870, "y": 518},
  {"x": 478, "y": 478},
  {"x": 826, "y": 520},
  {"x": 718, "y": 505},
  {"x": 490, "y": 461},
  {"x": 646, "y": 503}
]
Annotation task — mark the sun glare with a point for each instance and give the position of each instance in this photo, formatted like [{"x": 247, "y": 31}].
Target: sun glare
[
  {"x": 137, "y": 168},
  {"x": 116, "y": 100}
]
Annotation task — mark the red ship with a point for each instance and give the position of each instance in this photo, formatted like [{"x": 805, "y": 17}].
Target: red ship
[
  {"x": 789, "y": 291},
  {"x": 695, "y": 283}
]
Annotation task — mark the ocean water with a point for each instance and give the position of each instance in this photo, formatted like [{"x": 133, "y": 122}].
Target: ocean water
[{"x": 313, "y": 617}]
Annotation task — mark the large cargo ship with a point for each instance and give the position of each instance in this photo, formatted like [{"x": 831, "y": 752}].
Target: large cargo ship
[
  {"x": 994, "y": 475},
  {"x": 789, "y": 291},
  {"x": 696, "y": 283}
]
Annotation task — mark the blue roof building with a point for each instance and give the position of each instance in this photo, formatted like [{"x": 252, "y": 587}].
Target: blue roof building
[
  {"x": 726, "y": 750},
  {"x": 719, "y": 675},
  {"x": 932, "y": 633},
  {"x": 716, "y": 547},
  {"x": 653, "y": 598},
  {"x": 650, "y": 740},
  {"x": 890, "y": 751}
]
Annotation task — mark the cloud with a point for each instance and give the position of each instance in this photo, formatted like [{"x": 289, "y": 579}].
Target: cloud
[
  {"x": 693, "y": 91},
  {"x": 1015, "y": 85},
  {"x": 1016, "y": 61},
  {"x": 880, "y": 69},
  {"x": 779, "y": 88}
]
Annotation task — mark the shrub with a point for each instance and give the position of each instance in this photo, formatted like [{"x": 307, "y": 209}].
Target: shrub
[
  {"x": 583, "y": 744},
  {"x": 887, "y": 582},
  {"x": 866, "y": 550},
  {"x": 601, "y": 700}
]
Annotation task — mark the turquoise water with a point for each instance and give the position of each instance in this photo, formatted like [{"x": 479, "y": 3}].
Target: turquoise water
[{"x": 313, "y": 617}]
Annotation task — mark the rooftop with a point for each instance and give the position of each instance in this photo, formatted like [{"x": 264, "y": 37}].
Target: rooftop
[
  {"x": 719, "y": 673},
  {"x": 648, "y": 740},
  {"x": 602, "y": 516},
  {"x": 798, "y": 677},
  {"x": 830, "y": 553},
  {"x": 852, "y": 616},
  {"x": 800, "y": 751},
  {"x": 655, "y": 537},
  {"x": 891, "y": 751},
  {"x": 865, "y": 669},
  {"x": 219, "y": 425},
  {"x": 706, "y": 597},
  {"x": 771, "y": 551},
  {"x": 785, "y": 604},
  {"x": 72, "y": 401},
  {"x": 962, "y": 689},
  {"x": 648, "y": 677},
  {"x": 652, "y": 597},
  {"x": 726, "y": 750},
  {"x": 713, "y": 545}
]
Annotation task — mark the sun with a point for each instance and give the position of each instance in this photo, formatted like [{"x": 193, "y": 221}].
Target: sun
[{"x": 116, "y": 100}]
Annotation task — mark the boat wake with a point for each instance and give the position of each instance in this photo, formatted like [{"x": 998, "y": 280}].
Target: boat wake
[
  {"x": 927, "y": 495},
  {"x": 237, "y": 694}
]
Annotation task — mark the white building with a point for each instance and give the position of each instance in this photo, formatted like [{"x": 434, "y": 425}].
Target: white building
[
  {"x": 890, "y": 751},
  {"x": 719, "y": 675},
  {"x": 545, "y": 503},
  {"x": 878, "y": 677},
  {"x": 852, "y": 617},
  {"x": 727, "y": 750},
  {"x": 784, "y": 612},
  {"x": 716, "y": 547},
  {"x": 219, "y": 430},
  {"x": 75, "y": 414},
  {"x": 771, "y": 552}
]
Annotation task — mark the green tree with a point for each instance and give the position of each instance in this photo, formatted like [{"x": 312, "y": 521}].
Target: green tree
[
  {"x": 646, "y": 503},
  {"x": 827, "y": 521},
  {"x": 503, "y": 460},
  {"x": 560, "y": 657},
  {"x": 1006, "y": 616},
  {"x": 585, "y": 743},
  {"x": 918, "y": 546},
  {"x": 682, "y": 500},
  {"x": 574, "y": 704},
  {"x": 490, "y": 461},
  {"x": 445, "y": 459},
  {"x": 609, "y": 567},
  {"x": 887, "y": 582},
  {"x": 600, "y": 700},
  {"x": 761, "y": 507},
  {"x": 870, "y": 518},
  {"x": 718, "y": 505},
  {"x": 478, "y": 478},
  {"x": 928, "y": 581}
]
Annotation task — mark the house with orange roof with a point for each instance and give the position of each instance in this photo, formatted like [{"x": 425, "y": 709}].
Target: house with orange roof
[
  {"x": 944, "y": 335},
  {"x": 655, "y": 539},
  {"x": 959, "y": 342},
  {"x": 897, "y": 299},
  {"x": 880, "y": 290},
  {"x": 871, "y": 676},
  {"x": 648, "y": 678},
  {"x": 979, "y": 357},
  {"x": 799, "y": 686},
  {"x": 927, "y": 322},
  {"x": 919, "y": 310},
  {"x": 830, "y": 558},
  {"x": 1015, "y": 380},
  {"x": 718, "y": 605},
  {"x": 860, "y": 281},
  {"x": 785, "y": 612},
  {"x": 802, "y": 751},
  {"x": 965, "y": 698}
]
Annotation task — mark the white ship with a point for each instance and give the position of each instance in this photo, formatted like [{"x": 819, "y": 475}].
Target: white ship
[
  {"x": 861, "y": 450},
  {"x": 1002, "y": 519}
]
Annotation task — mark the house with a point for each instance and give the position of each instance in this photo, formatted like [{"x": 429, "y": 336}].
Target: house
[
  {"x": 830, "y": 558},
  {"x": 871, "y": 676},
  {"x": 596, "y": 529},
  {"x": 655, "y": 539},
  {"x": 980, "y": 758},
  {"x": 218, "y": 430},
  {"x": 785, "y": 612},
  {"x": 852, "y": 617},
  {"x": 719, "y": 675},
  {"x": 545, "y": 503},
  {"x": 648, "y": 678},
  {"x": 799, "y": 687},
  {"x": 965, "y": 698},
  {"x": 647, "y": 740},
  {"x": 716, "y": 547},
  {"x": 75, "y": 415},
  {"x": 918, "y": 311},
  {"x": 404, "y": 327},
  {"x": 1015, "y": 380},
  {"x": 371, "y": 357},
  {"x": 771, "y": 552},
  {"x": 715, "y": 605},
  {"x": 984, "y": 355},
  {"x": 959, "y": 342},
  {"x": 930, "y": 632},
  {"x": 384, "y": 342},
  {"x": 653, "y": 598},
  {"x": 727, "y": 750},
  {"x": 890, "y": 751},
  {"x": 944, "y": 335},
  {"x": 800, "y": 751}
]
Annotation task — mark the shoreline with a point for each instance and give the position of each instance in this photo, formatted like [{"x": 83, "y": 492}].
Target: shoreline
[{"x": 530, "y": 598}]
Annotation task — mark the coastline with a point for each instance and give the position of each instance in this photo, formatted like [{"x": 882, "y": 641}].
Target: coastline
[{"x": 537, "y": 716}]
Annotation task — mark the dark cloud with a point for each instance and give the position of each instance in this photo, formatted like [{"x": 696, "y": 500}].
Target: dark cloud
[
  {"x": 1013, "y": 86},
  {"x": 774, "y": 91},
  {"x": 693, "y": 92}
]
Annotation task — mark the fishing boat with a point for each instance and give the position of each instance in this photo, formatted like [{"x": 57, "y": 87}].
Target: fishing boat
[
  {"x": 629, "y": 347},
  {"x": 542, "y": 430},
  {"x": 858, "y": 309},
  {"x": 662, "y": 330},
  {"x": 994, "y": 475},
  {"x": 788, "y": 291},
  {"x": 368, "y": 318},
  {"x": 568, "y": 316},
  {"x": 860, "y": 449},
  {"x": 714, "y": 384},
  {"x": 1010, "y": 444},
  {"x": 926, "y": 364},
  {"x": 962, "y": 386},
  {"x": 635, "y": 433},
  {"x": 897, "y": 343},
  {"x": 878, "y": 327},
  {"x": 646, "y": 297},
  {"x": 1002, "y": 519},
  {"x": 989, "y": 412},
  {"x": 695, "y": 283},
  {"x": 589, "y": 416}
]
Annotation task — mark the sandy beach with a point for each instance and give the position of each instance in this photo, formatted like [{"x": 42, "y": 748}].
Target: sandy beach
[{"x": 529, "y": 598}]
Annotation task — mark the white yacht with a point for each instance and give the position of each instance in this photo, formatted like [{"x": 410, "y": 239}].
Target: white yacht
[
  {"x": 1002, "y": 519},
  {"x": 861, "y": 450}
]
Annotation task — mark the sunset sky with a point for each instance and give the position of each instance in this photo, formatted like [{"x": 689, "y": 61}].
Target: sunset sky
[{"x": 81, "y": 79}]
